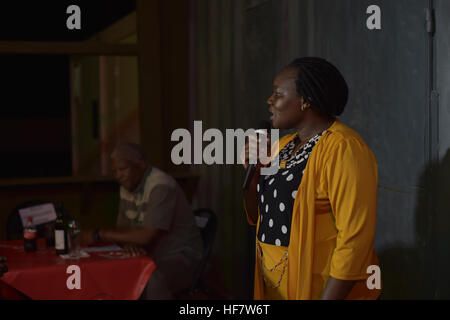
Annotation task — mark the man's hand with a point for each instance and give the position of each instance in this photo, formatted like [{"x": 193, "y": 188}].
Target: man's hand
[
  {"x": 134, "y": 250},
  {"x": 141, "y": 236}
]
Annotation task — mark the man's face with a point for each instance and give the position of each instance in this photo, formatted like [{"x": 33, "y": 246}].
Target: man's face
[{"x": 127, "y": 173}]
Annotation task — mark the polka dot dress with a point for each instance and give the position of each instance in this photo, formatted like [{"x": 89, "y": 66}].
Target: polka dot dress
[{"x": 276, "y": 193}]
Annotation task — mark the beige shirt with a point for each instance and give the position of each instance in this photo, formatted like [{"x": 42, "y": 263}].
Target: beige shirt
[{"x": 158, "y": 202}]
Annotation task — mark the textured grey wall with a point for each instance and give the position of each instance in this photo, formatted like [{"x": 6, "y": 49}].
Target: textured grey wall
[
  {"x": 243, "y": 44},
  {"x": 399, "y": 81},
  {"x": 442, "y": 71},
  {"x": 387, "y": 72}
]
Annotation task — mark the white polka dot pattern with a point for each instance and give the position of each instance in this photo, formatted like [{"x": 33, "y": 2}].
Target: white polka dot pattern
[{"x": 277, "y": 193}]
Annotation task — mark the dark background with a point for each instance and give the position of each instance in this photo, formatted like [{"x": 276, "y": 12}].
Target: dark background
[
  {"x": 399, "y": 103},
  {"x": 35, "y": 132}
]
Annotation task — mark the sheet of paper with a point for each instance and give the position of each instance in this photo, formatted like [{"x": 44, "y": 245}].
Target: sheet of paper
[
  {"x": 83, "y": 254},
  {"x": 115, "y": 255},
  {"x": 42, "y": 213},
  {"x": 103, "y": 249},
  {"x": 10, "y": 246}
]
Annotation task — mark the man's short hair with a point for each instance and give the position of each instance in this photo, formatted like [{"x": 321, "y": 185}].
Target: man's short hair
[{"x": 128, "y": 151}]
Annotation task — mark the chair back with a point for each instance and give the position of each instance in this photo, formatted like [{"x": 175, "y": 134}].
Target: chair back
[{"x": 206, "y": 221}]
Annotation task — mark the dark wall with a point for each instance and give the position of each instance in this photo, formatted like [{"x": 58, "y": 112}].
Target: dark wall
[
  {"x": 35, "y": 133},
  {"x": 25, "y": 20},
  {"x": 35, "y": 124}
]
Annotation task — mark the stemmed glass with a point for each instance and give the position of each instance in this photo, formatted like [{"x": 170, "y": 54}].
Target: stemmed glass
[{"x": 74, "y": 239}]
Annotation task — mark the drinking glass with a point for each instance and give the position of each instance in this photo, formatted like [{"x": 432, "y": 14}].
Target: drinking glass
[{"x": 74, "y": 239}]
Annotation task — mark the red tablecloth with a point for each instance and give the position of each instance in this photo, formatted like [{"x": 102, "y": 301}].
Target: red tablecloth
[{"x": 43, "y": 274}]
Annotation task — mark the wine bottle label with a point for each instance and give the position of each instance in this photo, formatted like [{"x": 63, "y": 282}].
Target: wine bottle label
[
  {"x": 59, "y": 240},
  {"x": 29, "y": 234}
]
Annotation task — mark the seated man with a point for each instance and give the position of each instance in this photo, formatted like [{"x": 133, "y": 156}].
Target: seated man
[{"x": 155, "y": 216}]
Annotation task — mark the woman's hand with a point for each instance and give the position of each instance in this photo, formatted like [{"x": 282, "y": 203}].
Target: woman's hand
[
  {"x": 337, "y": 289},
  {"x": 250, "y": 195},
  {"x": 250, "y": 150}
]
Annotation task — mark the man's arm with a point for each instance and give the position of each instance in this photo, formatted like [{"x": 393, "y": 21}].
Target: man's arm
[
  {"x": 142, "y": 236},
  {"x": 157, "y": 220}
]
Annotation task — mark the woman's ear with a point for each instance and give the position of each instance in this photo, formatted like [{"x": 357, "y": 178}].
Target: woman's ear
[{"x": 304, "y": 104}]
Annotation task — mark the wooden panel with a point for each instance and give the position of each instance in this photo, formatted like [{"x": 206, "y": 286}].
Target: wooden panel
[
  {"x": 75, "y": 47},
  {"x": 163, "y": 42},
  {"x": 174, "y": 72},
  {"x": 118, "y": 31}
]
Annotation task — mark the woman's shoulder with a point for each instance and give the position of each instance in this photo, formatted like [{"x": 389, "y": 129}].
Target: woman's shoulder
[
  {"x": 339, "y": 133},
  {"x": 343, "y": 140}
]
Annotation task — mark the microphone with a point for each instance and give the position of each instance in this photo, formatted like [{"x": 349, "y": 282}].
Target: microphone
[{"x": 264, "y": 127}]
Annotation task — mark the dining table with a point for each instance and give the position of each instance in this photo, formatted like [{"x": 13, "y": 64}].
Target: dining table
[{"x": 103, "y": 272}]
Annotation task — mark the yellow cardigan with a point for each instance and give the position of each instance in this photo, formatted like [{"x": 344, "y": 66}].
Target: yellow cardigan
[{"x": 333, "y": 219}]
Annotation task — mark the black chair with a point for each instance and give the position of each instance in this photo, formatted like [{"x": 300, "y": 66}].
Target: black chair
[
  {"x": 206, "y": 220},
  {"x": 14, "y": 227}
]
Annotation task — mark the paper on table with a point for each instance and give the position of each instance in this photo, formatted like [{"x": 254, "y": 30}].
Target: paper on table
[
  {"x": 42, "y": 213},
  {"x": 115, "y": 255},
  {"x": 103, "y": 249},
  {"x": 83, "y": 254},
  {"x": 10, "y": 246}
]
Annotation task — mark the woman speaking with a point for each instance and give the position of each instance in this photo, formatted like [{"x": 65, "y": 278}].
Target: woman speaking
[{"x": 316, "y": 216}]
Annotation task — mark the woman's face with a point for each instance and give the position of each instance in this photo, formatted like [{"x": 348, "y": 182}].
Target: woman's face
[{"x": 284, "y": 103}]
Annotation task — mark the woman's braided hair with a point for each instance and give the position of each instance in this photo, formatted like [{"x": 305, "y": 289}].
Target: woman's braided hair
[{"x": 321, "y": 84}]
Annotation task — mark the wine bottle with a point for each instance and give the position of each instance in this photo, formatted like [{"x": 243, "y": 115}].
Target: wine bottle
[{"x": 61, "y": 235}]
